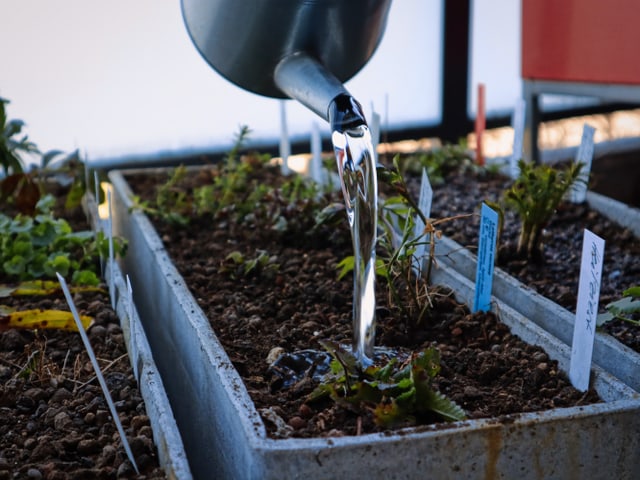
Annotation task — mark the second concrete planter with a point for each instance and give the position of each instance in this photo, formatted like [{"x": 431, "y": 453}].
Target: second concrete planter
[{"x": 609, "y": 353}]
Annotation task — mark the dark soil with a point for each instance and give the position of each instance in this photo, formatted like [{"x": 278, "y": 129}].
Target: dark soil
[
  {"x": 485, "y": 369},
  {"x": 54, "y": 420},
  {"x": 556, "y": 275}
]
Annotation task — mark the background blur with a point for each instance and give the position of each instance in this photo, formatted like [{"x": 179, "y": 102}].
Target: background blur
[{"x": 122, "y": 77}]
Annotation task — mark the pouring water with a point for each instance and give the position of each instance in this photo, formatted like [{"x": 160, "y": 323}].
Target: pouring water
[{"x": 356, "y": 161}]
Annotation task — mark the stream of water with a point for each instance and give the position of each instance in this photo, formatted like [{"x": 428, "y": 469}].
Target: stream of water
[{"x": 356, "y": 160}]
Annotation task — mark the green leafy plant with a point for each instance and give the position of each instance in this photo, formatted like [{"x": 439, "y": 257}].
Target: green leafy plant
[
  {"x": 11, "y": 145},
  {"x": 171, "y": 203},
  {"x": 627, "y": 308},
  {"x": 395, "y": 393},
  {"x": 535, "y": 196},
  {"x": 439, "y": 162},
  {"x": 237, "y": 265},
  {"x": 235, "y": 188},
  {"x": 23, "y": 187},
  {"x": 398, "y": 245},
  {"x": 228, "y": 188},
  {"x": 36, "y": 247}
]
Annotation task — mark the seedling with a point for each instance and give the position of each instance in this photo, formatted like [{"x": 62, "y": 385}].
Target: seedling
[
  {"x": 626, "y": 308},
  {"x": 439, "y": 162},
  {"x": 397, "y": 246},
  {"x": 395, "y": 393},
  {"x": 234, "y": 189},
  {"x": 237, "y": 265},
  {"x": 535, "y": 196}
]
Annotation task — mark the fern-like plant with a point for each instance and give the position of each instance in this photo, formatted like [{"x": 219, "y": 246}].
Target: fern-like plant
[{"x": 535, "y": 196}]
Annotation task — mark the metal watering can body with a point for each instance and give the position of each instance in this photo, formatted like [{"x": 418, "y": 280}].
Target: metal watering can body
[{"x": 303, "y": 49}]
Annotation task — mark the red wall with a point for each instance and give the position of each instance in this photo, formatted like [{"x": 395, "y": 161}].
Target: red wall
[{"x": 581, "y": 40}]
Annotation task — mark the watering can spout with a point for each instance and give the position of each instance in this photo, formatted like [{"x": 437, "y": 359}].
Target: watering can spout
[{"x": 304, "y": 79}]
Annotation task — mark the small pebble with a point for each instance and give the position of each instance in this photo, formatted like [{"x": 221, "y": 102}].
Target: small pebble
[
  {"x": 139, "y": 421},
  {"x": 297, "y": 422},
  {"x": 34, "y": 473},
  {"x": 97, "y": 332},
  {"x": 61, "y": 421},
  {"x": 102, "y": 417},
  {"x": 125, "y": 470},
  {"x": 88, "y": 446},
  {"x": 274, "y": 354},
  {"x": 60, "y": 395},
  {"x": 472, "y": 392},
  {"x": 30, "y": 443},
  {"x": 305, "y": 411},
  {"x": 90, "y": 418}
]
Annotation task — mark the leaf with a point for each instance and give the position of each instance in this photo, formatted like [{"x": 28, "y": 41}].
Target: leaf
[
  {"x": 15, "y": 265},
  {"x": 40, "y": 319},
  {"x": 74, "y": 197},
  {"x": 629, "y": 304},
  {"x": 438, "y": 403},
  {"x": 632, "y": 292},
  {"x": 346, "y": 266},
  {"x": 603, "y": 318},
  {"x": 85, "y": 277},
  {"x": 41, "y": 287},
  {"x": 47, "y": 157},
  {"x": 386, "y": 414}
]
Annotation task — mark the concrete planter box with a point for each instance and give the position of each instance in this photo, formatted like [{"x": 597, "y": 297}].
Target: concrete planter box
[
  {"x": 166, "y": 436},
  {"x": 608, "y": 353},
  {"x": 225, "y": 437}
]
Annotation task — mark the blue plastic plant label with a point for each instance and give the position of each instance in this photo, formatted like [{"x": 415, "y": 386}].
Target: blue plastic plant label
[
  {"x": 584, "y": 328},
  {"x": 486, "y": 258}
]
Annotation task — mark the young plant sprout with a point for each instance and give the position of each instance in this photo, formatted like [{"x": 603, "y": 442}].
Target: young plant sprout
[
  {"x": 535, "y": 196},
  {"x": 626, "y": 308}
]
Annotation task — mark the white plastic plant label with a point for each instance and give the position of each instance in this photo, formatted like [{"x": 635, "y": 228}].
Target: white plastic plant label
[
  {"x": 96, "y": 184},
  {"x": 112, "y": 282},
  {"x": 374, "y": 128},
  {"x": 424, "y": 204},
  {"x": 285, "y": 146},
  {"x": 584, "y": 328},
  {"x": 315, "y": 164},
  {"x": 578, "y": 193},
  {"x": 486, "y": 258},
  {"x": 517, "y": 122}
]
